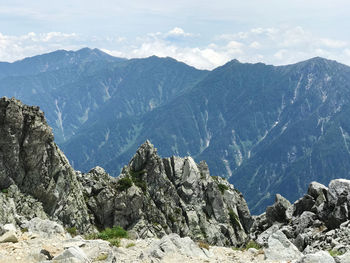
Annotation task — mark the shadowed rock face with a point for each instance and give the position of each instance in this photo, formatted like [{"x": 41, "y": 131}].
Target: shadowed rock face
[
  {"x": 155, "y": 196},
  {"x": 30, "y": 159}
]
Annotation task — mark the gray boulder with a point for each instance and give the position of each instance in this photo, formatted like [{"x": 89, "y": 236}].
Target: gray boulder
[
  {"x": 44, "y": 227},
  {"x": 278, "y": 211},
  {"x": 345, "y": 258},
  {"x": 306, "y": 203},
  {"x": 9, "y": 227},
  {"x": 337, "y": 209},
  {"x": 72, "y": 254},
  {"x": 173, "y": 244},
  {"x": 316, "y": 190},
  {"x": 263, "y": 238},
  {"x": 280, "y": 248},
  {"x": 318, "y": 257},
  {"x": 9, "y": 236}
]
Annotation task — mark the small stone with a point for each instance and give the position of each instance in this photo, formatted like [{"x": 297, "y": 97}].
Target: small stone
[
  {"x": 10, "y": 227},
  {"x": 73, "y": 252},
  {"x": 9, "y": 236},
  {"x": 253, "y": 251}
]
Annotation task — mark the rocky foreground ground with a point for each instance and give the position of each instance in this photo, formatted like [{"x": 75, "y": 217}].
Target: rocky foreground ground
[{"x": 46, "y": 241}]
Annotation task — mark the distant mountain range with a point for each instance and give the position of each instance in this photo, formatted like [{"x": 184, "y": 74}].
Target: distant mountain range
[{"x": 267, "y": 129}]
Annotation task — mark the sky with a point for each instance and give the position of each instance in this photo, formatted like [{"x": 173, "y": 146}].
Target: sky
[{"x": 201, "y": 33}]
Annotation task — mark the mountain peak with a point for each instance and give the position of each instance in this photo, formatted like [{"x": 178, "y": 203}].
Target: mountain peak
[
  {"x": 55, "y": 60},
  {"x": 317, "y": 61},
  {"x": 143, "y": 154}
]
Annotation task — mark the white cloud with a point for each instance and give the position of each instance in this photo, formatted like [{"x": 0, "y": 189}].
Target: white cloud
[
  {"x": 347, "y": 52},
  {"x": 280, "y": 54},
  {"x": 178, "y": 32},
  {"x": 255, "y": 45},
  {"x": 234, "y": 45},
  {"x": 17, "y": 47},
  {"x": 333, "y": 43}
]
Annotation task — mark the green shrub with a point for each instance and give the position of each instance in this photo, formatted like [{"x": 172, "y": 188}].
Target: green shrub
[
  {"x": 335, "y": 253},
  {"x": 24, "y": 230},
  {"x": 72, "y": 231},
  {"x": 138, "y": 180},
  {"x": 252, "y": 244},
  {"x": 112, "y": 233},
  {"x": 5, "y": 191},
  {"x": 223, "y": 188},
  {"x": 124, "y": 184}
]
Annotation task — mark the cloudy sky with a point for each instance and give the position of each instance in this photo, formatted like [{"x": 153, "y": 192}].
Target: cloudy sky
[{"x": 202, "y": 33}]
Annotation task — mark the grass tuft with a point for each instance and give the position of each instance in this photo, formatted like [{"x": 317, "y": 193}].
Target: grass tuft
[
  {"x": 335, "y": 253},
  {"x": 203, "y": 244},
  {"x": 101, "y": 257},
  {"x": 222, "y": 188},
  {"x": 72, "y": 231},
  {"x": 130, "y": 245},
  {"x": 252, "y": 244}
]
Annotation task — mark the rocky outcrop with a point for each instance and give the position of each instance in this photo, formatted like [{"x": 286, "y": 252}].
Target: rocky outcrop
[
  {"x": 317, "y": 221},
  {"x": 154, "y": 196},
  {"x": 31, "y": 161},
  {"x": 151, "y": 198}
]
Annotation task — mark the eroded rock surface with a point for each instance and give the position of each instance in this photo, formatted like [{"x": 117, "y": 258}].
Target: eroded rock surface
[{"x": 155, "y": 196}]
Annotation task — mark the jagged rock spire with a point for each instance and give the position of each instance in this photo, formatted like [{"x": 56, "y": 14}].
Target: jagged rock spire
[{"x": 31, "y": 160}]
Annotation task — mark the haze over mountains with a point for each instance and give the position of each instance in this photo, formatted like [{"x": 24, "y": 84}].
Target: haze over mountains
[{"x": 268, "y": 129}]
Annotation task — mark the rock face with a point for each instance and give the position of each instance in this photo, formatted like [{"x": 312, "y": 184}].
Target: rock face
[
  {"x": 30, "y": 160},
  {"x": 155, "y": 196}
]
